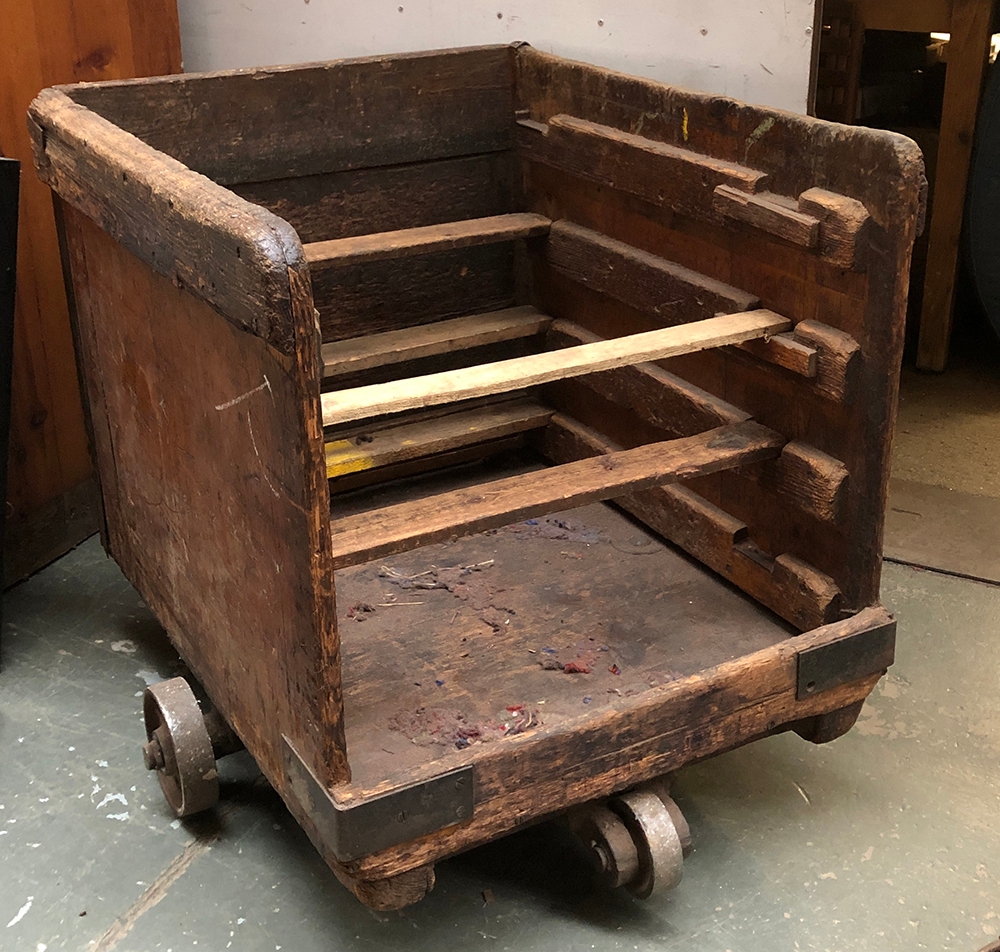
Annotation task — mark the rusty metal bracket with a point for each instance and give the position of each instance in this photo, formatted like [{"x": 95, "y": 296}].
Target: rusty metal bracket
[
  {"x": 355, "y": 830},
  {"x": 823, "y": 667}
]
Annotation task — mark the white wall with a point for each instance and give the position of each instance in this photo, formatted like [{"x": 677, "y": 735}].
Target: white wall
[{"x": 757, "y": 51}]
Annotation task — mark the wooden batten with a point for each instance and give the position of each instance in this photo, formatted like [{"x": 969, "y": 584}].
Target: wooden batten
[
  {"x": 404, "y": 441},
  {"x": 668, "y": 291},
  {"x": 430, "y": 340},
  {"x": 658, "y": 172},
  {"x": 771, "y": 213},
  {"x": 361, "y": 538},
  {"x": 784, "y": 350},
  {"x": 503, "y": 376},
  {"x": 661, "y": 398},
  {"x": 787, "y": 585},
  {"x": 382, "y": 246}
]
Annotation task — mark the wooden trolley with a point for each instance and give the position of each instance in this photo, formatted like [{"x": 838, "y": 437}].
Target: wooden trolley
[{"x": 332, "y": 318}]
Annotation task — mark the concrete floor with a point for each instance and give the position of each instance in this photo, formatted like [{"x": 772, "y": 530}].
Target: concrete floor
[{"x": 887, "y": 839}]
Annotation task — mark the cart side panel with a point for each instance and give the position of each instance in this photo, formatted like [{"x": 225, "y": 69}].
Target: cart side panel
[
  {"x": 261, "y": 124},
  {"x": 201, "y": 433},
  {"x": 858, "y": 293}
]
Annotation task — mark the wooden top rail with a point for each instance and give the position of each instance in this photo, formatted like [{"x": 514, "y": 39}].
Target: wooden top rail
[
  {"x": 341, "y": 252},
  {"x": 370, "y": 535},
  {"x": 430, "y": 340},
  {"x": 504, "y": 376}
]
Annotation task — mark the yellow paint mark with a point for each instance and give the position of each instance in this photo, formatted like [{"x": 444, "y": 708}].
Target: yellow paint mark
[
  {"x": 343, "y": 457},
  {"x": 684, "y": 125}
]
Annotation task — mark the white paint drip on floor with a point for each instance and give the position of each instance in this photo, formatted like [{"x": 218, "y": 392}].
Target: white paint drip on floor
[
  {"x": 21, "y": 913},
  {"x": 118, "y": 816},
  {"x": 126, "y": 646},
  {"x": 110, "y": 798}
]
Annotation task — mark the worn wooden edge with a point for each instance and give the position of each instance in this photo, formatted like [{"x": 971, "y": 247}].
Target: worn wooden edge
[
  {"x": 745, "y": 131},
  {"x": 838, "y": 359},
  {"x": 224, "y": 250},
  {"x": 661, "y": 731},
  {"x": 381, "y": 246},
  {"x": 311, "y": 148}
]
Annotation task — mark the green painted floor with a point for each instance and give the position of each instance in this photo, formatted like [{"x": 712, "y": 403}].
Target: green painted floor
[{"x": 887, "y": 839}]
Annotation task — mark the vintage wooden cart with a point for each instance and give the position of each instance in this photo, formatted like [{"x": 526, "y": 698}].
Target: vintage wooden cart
[{"x": 296, "y": 290}]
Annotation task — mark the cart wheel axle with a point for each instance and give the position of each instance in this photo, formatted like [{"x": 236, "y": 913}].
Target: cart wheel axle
[
  {"x": 637, "y": 840},
  {"x": 179, "y": 748}
]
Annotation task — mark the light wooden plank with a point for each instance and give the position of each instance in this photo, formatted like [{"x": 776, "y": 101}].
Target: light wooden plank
[
  {"x": 408, "y": 441},
  {"x": 341, "y": 252},
  {"x": 393, "y": 529},
  {"x": 503, "y": 376},
  {"x": 429, "y": 340}
]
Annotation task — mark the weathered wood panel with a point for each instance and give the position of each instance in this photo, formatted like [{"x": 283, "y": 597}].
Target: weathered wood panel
[
  {"x": 210, "y": 452},
  {"x": 261, "y": 124}
]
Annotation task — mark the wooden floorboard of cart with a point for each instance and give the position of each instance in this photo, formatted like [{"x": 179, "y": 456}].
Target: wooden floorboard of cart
[{"x": 430, "y": 668}]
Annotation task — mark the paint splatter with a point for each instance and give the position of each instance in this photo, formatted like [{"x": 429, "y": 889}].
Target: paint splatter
[{"x": 21, "y": 913}]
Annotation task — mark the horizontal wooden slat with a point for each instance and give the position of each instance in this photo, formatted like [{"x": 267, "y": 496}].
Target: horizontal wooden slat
[
  {"x": 655, "y": 171},
  {"x": 506, "y": 375},
  {"x": 768, "y": 213},
  {"x": 407, "y": 441},
  {"x": 342, "y": 252},
  {"x": 785, "y": 351},
  {"x": 845, "y": 224},
  {"x": 788, "y": 586},
  {"x": 661, "y": 398},
  {"x": 371, "y": 535},
  {"x": 428, "y": 340},
  {"x": 639, "y": 279}
]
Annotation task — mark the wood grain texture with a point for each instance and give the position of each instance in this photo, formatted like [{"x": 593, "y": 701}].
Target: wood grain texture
[
  {"x": 382, "y": 246},
  {"x": 671, "y": 292},
  {"x": 637, "y": 739},
  {"x": 384, "y": 446},
  {"x": 405, "y": 526},
  {"x": 785, "y": 351},
  {"x": 656, "y": 171},
  {"x": 260, "y": 124},
  {"x": 838, "y": 362},
  {"x": 520, "y": 372},
  {"x": 360, "y": 201},
  {"x": 662, "y": 399},
  {"x": 769, "y": 213},
  {"x": 414, "y": 343},
  {"x": 201, "y": 236},
  {"x": 46, "y": 42},
  {"x": 408, "y": 292},
  {"x": 844, "y": 226},
  {"x": 798, "y": 154},
  {"x": 189, "y": 537},
  {"x": 788, "y": 586}
]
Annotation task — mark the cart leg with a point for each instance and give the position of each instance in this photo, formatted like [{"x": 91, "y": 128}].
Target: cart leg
[
  {"x": 637, "y": 840},
  {"x": 182, "y": 744},
  {"x": 823, "y": 728}
]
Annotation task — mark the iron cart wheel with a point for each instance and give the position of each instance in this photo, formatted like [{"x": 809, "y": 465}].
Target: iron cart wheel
[
  {"x": 637, "y": 840},
  {"x": 179, "y": 748}
]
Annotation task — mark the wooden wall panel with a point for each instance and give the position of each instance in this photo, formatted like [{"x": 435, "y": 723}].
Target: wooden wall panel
[{"x": 52, "y": 502}]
